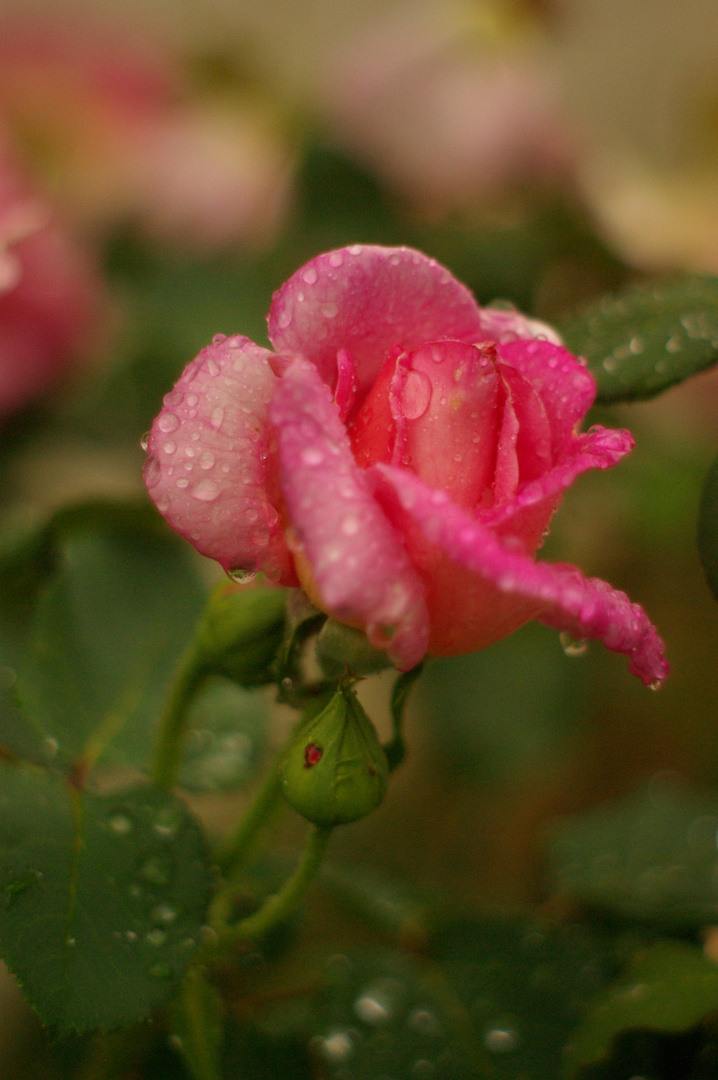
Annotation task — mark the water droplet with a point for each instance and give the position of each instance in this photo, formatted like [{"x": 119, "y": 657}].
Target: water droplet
[
  {"x": 206, "y": 490},
  {"x": 206, "y": 459},
  {"x": 212, "y": 367},
  {"x": 337, "y": 1046},
  {"x": 167, "y": 822},
  {"x": 121, "y": 824},
  {"x": 182, "y": 482},
  {"x": 151, "y": 472},
  {"x": 637, "y": 345},
  {"x": 168, "y": 422},
  {"x": 157, "y": 869},
  {"x": 145, "y": 440},
  {"x": 423, "y": 1022},
  {"x": 217, "y": 417},
  {"x": 50, "y": 747},
  {"x": 501, "y": 1040},
  {"x": 219, "y": 339},
  {"x": 284, "y": 318},
  {"x": 130, "y": 935},
  {"x": 329, "y": 310},
  {"x": 312, "y": 455},
  {"x": 415, "y": 394},
  {"x": 310, "y": 276},
  {"x": 355, "y": 249},
  {"x": 173, "y": 399},
  {"x": 609, "y": 363},
  {"x": 163, "y": 913},
  {"x": 572, "y": 646},
  {"x": 657, "y": 684},
  {"x": 336, "y": 259},
  {"x": 374, "y": 1007},
  {"x": 241, "y": 574},
  {"x": 156, "y": 937}
]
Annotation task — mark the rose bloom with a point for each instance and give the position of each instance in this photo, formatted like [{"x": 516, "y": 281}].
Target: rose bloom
[
  {"x": 399, "y": 455},
  {"x": 50, "y": 293}
]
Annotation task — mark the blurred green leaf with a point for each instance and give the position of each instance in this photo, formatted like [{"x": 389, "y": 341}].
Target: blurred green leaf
[
  {"x": 226, "y": 737},
  {"x": 650, "y": 857},
  {"x": 105, "y": 636},
  {"x": 487, "y": 997},
  {"x": 708, "y": 528},
  {"x": 668, "y": 987},
  {"x": 102, "y": 897},
  {"x": 644, "y": 339}
]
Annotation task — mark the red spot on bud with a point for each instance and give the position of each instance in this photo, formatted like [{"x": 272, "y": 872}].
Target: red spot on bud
[{"x": 312, "y": 754}]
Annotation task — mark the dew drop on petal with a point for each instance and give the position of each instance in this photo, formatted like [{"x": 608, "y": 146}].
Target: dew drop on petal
[
  {"x": 206, "y": 490},
  {"x": 151, "y": 472},
  {"x": 182, "y": 483},
  {"x": 241, "y": 574},
  {"x": 206, "y": 460},
  {"x": 145, "y": 440},
  {"x": 168, "y": 422},
  {"x": 169, "y": 447},
  {"x": 312, "y": 455},
  {"x": 415, "y": 394},
  {"x": 310, "y": 276},
  {"x": 336, "y": 259},
  {"x": 219, "y": 339},
  {"x": 572, "y": 646},
  {"x": 217, "y": 417},
  {"x": 284, "y": 318},
  {"x": 329, "y": 310}
]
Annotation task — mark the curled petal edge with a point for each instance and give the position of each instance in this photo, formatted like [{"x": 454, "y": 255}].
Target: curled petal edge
[
  {"x": 350, "y": 558},
  {"x": 583, "y": 607}
]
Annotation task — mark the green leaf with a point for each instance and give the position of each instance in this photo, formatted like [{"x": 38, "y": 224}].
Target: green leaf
[
  {"x": 708, "y": 528},
  {"x": 487, "y": 997},
  {"x": 651, "y": 857},
  {"x": 644, "y": 339},
  {"x": 226, "y": 737},
  {"x": 104, "y": 640},
  {"x": 102, "y": 897},
  {"x": 669, "y": 987}
]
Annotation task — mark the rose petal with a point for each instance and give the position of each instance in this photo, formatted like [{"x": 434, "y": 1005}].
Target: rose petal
[
  {"x": 529, "y": 512},
  {"x": 354, "y": 557},
  {"x": 502, "y": 325},
  {"x": 565, "y": 387},
  {"x": 586, "y": 608},
  {"x": 369, "y": 299},
  {"x": 211, "y": 470}
]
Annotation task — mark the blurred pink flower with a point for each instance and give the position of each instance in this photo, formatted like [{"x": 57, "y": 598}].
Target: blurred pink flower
[
  {"x": 107, "y": 115},
  {"x": 400, "y": 455},
  {"x": 50, "y": 294},
  {"x": 449, "y": 120}
]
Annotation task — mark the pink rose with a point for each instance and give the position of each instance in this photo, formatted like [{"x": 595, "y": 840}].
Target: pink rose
[
  {"x": 50, "y": 294},
  {"x": 400, "y": 455}
]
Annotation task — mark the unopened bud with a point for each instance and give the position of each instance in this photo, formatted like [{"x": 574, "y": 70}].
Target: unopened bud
[{"x": 335, "y": 770}]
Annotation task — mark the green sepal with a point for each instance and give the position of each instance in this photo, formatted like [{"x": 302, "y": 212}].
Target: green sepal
[
  {"x": 341, "y": 647},
  {"x": 240, "y": 633},
  {"x": 335, "y": 770}
]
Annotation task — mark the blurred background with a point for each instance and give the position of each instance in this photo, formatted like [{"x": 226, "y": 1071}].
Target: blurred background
[{"x": 164, "y": 167}]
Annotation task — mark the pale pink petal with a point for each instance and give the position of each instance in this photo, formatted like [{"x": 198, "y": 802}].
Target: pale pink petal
[
  {"x": 565, "y": 387},
  {"x": 356, "y": 559},
  {"x": 586, "y": 608},
  {"x": 211, "y": 468},
  {"x": 369, "y": 299},
  {"x": 502, "y": 324}
]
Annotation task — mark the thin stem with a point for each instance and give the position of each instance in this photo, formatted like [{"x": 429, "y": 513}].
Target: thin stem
[
  {"x": 395, "y": 749},
  {"x": 173, "y": 721},
  {"x": 232, "y": 851},
  {"x": 278, "y": 906}
]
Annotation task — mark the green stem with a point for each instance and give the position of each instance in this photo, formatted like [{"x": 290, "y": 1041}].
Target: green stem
[
  {"x": 173, "y": 721},
  {"x": 395, "y": 749},
  {"x": 232, "y": 851},
  {"x": 277, "y": 907}
]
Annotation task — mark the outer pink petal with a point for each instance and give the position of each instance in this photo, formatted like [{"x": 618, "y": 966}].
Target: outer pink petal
[
  {"x": 502, "y": 325},
  {"x": 586, "y": 608},
  {"x": 528, "y": 513},
  {"x": 357, "y": 561},
  {"x": 566, "y": 388},
  {"x": 368, "y": 299},
  {"x": 211, "y": 469}
]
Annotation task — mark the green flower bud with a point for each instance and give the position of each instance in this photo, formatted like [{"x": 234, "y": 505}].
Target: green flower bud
[{"x": 335, "y": 770}]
